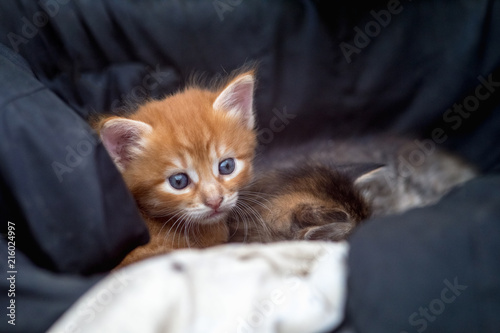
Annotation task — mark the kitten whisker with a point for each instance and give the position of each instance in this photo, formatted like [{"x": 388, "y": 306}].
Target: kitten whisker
[
  {"x": 259, "y": 194},
  {"x": 256, "y": 219},
  {"x": 164, "y": 224},
  {"x": 169, "y": 232},
  {"x": 257, "y": 202},
  {"x": 236, "y": 210},
  {"x": 178, "y": 223},
  {"x": 253, "y": 216},
  {"x": 194, "y": 229},
  {"x": 183, "y": 226},
  {"x": 164, "y": 212},
  {"x": 187, "y": 227},
  {"x": 255, "y": 186}
]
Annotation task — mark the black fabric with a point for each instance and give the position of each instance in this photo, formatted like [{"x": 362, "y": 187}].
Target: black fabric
[
  {"x": 427, "y": 68},
  {"x": 433, "y": 269},
  {"x": 427, "y": 58},
  {"x": 60, "y": 181},
  {"x": 39, "y": 296},
  {"x": 62, "y": 197}
]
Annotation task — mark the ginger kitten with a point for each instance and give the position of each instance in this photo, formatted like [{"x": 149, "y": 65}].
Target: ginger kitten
[{"x": 185, "y": 158}]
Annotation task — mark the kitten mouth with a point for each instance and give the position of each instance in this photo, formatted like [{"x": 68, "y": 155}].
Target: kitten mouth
[
  {"x": 214, "y": 216},
  {"x": 215, "y": 213},
  {"x": 211, "y": 216}
]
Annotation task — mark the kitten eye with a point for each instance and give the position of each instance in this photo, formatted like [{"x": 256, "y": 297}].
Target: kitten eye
[
  {"x": 179, "y": 181},
  {"x": 227, "y": 166}
]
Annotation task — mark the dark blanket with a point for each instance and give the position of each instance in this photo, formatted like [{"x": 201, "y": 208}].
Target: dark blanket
[{"x": 429, "y": 69}]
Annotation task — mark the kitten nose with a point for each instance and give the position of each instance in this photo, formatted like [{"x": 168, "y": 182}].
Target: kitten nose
[{"x": 214, "y": 202}]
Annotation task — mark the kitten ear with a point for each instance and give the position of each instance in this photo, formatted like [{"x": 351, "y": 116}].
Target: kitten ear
[
  {"x": 362, "y": 172},
  {"x": 370, "y": 175},
  {"x": 237, "y": 99},
  {"x": 123, "y": 139}
]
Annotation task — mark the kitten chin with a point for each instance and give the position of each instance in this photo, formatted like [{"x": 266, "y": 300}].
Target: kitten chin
[{"x": 184, "y": 159}]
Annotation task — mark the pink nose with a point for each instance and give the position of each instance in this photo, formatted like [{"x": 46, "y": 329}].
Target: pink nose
[{"x": 214, "y": 202}]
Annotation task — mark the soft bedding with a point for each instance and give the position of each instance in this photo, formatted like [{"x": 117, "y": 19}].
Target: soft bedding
[{"x": 290, "y": 287}]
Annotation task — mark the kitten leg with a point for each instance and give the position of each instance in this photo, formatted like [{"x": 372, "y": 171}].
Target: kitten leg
[
  {"x": 335, "y": 231},
  {"x": 321, "y": 223}
]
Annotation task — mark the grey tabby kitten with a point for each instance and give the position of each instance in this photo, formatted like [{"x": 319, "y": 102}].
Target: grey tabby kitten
[{"x": 323, "y": 189}]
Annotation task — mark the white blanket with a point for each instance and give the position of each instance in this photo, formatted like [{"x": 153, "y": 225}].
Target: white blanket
[{"x": 281, "y": 287}]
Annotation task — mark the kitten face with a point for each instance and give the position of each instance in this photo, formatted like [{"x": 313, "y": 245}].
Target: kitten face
[
  {"x": 197, "y": 179},
  {"x": 185, "y": 158}
]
